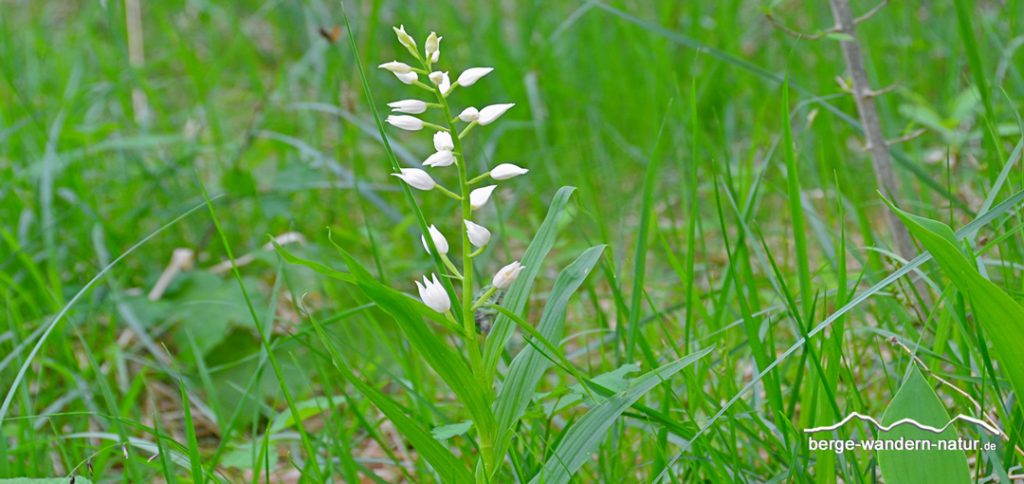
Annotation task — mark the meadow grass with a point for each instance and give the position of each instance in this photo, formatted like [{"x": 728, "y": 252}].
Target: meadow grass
[{"x": 708, "y": 268}]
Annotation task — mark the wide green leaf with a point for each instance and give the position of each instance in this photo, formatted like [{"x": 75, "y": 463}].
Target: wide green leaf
[
  {"x": 529, "y": 365},
  {"x": 517, "y": 295},
  {"x": 582, "y": 439},
  {"x": 916, "y": 400},
  {"x": 998, "y": 314}
]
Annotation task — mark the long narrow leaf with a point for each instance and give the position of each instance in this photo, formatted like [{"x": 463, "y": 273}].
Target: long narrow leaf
[
  {"x": 519, "y": 292},
  {"x": 529, "y": 365}
]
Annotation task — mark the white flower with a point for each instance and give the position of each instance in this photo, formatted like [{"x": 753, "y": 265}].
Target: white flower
[
  {"x": 443, "y": 141},
  {"x": 404, "y": 38},
  {"x": 440, "y": 159},
  {"x": 480, "y": 196},
  {"x": 433, "y": 294},
  {"x": 433, "y": 47},
  {"x": 416, "y": 178},
  {"x": 505, "y": 171},
  {"x": 408, "y": 123},
  {"x": 446, "y": 84},
  {"x": 493, "y": 112},
  {"x": 473, "y": 74},
  {"x": 478, "y": 234},
  {"x": 411, "y": 106},
  {"x": 441, "y": 79},
  {"x": 407, "y": 78},
  {"x": 504, "y": 277},
  {"x": 469, "y": 115},
  {"x": 396, "y": 67},
  {"x": 439, "y": 241}
]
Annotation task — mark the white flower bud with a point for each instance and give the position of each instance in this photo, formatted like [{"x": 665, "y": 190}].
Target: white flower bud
[
  {"x": 433, "y": 47},
  {"x": 505, "y": 171},
  {"x": 440, "y": 159},
  {"x": 479, "y": 236},
  {"x": 506, "y": 275},
  {"x": 469, "y": 115},
  {"x": 416, "y": 178},
  {"x": 404, "y": 38},
  {"x": 407, "y": 78},
  {"x": 442, "y": 81},
  {"x": 408, "y": 123},
  {"x": 432, "y": 294},
  {"x": 396, "y": 67},
  {"x": 479, "y": 197},
  {"x": 473, "y": 74},
  {"x": 439, "y": 241},
  {"x": 443, "y": 141},
  {"x": 490, "y": 113},
  {"x": 411, "y": 106}
]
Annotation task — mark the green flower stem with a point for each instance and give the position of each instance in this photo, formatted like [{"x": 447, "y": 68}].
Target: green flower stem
[
  {"x": 466, "y": 129},
  {"x": 483, "y": 299},
  {"x": 448, "y": 192},
  {"x": 468, "y": 315},
  {"x": 477, "y": 252},
  {"x": 451, "y": 267},
  {"x": 479, "y": 178},
  {"x": 427, "y": 124}
]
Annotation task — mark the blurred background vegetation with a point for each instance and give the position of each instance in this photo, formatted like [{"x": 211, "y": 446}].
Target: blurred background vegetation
[{"x": 113, "y": 112}]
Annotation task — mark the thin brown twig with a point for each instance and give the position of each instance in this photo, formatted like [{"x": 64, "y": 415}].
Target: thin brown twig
[
  {"x": 907, "y": 137},
  {"x": 871, "y": 13}
]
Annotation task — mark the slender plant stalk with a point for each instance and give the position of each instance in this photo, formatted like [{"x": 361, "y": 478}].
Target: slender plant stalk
[{"x": 469, "y": 329}]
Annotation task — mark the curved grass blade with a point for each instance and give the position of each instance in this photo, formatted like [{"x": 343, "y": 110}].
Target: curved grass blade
[
  {"x": 582, "y": 438},
  {"x": 529, "y": 365},
  {"x": 74, "y": 299},
  {"x": 517, "y": 295}
]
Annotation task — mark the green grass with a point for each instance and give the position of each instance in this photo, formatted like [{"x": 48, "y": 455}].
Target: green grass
[{"x": 707, "y": 265}]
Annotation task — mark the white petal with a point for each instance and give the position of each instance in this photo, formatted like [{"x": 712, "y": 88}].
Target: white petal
[
  {"x": 469, "y": 115},
  {"x": 505, "y": 171},
  {"x": 436, "y": 77},
  {"x": 409, "y": 106},
  {"x": 416, "y": 178},
  {"x": 479, "y": 197},
  {"x": 407, "y": 78},
  {"x": 440, "y": 159},
  {"x": 504, "y": 277},
  {"x": 443, "y": 141},
  {"x": 446, "y": 84},
  {"x": 479, "y": 236},
  {"x": 404, "y": 38},
  {"x": 439, "y": 241},
  {"x": 490, "y": 113},
  {"x": 396, "y": 67},
  {"x": 408, "y": 123},
  {"x": 473, "y": 74}
]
